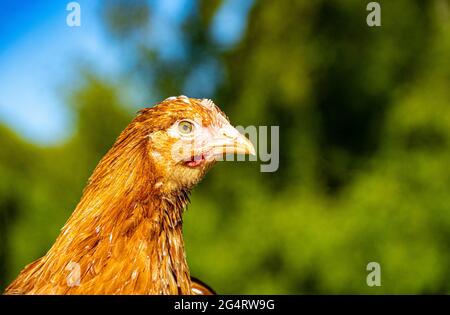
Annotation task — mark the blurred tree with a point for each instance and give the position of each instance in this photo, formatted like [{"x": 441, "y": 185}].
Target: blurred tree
[{"x": 15, "y": 169}]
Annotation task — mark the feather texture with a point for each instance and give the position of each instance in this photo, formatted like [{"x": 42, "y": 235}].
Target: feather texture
[{"x": 125, "y": 235}]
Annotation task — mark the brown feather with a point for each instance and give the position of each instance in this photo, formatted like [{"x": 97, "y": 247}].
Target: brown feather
[{"x": 126, "y": 232}]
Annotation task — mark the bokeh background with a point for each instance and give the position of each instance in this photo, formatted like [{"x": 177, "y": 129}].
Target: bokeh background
[{"x": 364, "y": 116}]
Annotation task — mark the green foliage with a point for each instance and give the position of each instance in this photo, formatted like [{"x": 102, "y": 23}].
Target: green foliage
[{"x": 364, "y": 122}]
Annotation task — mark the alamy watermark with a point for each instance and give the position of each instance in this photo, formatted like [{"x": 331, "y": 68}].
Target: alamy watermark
[
  {"x": 74, "y": 276},
  {"x": 74, "y": 17},
  {"x": 267, "y": 151},
  {"x": 374, "y": 17},
  {"x": 373, "y": 279},
  {"x": 225, "y": 143}
]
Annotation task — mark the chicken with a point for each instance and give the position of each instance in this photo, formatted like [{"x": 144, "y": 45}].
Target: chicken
[{"x": 125, "y": 235}]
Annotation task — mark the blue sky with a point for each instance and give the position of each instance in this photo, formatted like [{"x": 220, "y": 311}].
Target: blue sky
[{"x": 39, "y": 54}]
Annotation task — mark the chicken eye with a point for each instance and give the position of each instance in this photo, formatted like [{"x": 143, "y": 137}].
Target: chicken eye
[{"x": 185, "y": 127}]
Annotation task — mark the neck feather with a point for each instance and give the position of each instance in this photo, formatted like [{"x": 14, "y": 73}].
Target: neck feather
[{"x": 124, "y": 237}]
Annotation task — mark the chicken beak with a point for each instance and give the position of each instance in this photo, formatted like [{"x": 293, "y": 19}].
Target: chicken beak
[{"x": 231, "y": 141}]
